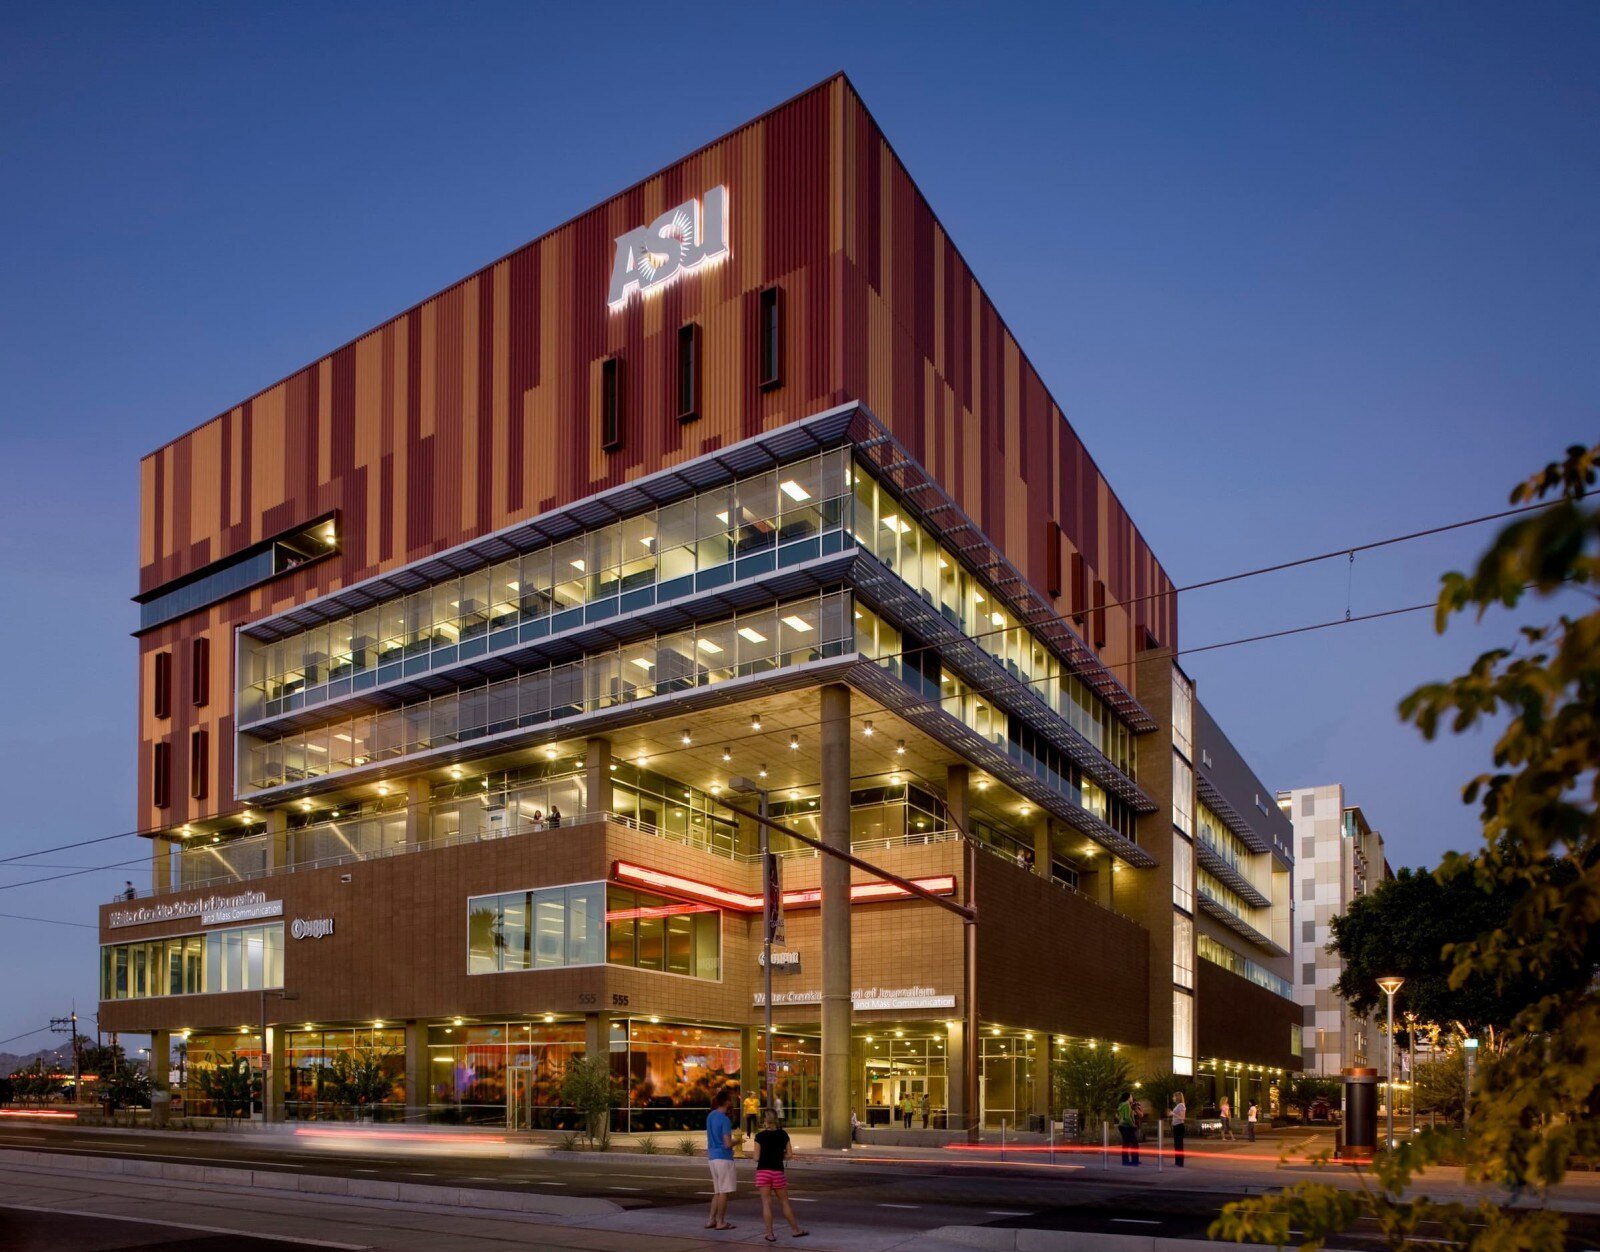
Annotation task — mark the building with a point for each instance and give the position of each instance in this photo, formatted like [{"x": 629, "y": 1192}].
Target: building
[
  {"x": 454, "y": 642},
  {"x": 1244, "y": 922},
  {"x": 1339, "y": 858}
]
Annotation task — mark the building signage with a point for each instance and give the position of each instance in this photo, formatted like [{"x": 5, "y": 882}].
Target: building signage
[
  {"x": 680, "y": 240},
  {"x": 311, "y": 927},
  {"x": 209, "y": 909},
  {"x": 783, "y": 962},
  {"x": 867, "y": 999}
]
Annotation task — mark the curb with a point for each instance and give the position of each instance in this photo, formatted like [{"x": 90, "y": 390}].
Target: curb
[
  {"x": 317, "y": 1184},
  {"x": 1008, "y": 1239}
]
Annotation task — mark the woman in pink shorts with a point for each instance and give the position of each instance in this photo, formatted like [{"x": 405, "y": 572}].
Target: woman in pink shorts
[{"x": 772, "y": 1150}]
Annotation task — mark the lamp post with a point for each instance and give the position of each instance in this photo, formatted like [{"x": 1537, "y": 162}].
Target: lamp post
[
  {"x": 769, "y": 921},
  {"x": 1389, "y": 986},
  {"x": 1411, "y": 1075}
]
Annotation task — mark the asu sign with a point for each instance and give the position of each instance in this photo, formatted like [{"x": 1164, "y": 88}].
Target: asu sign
[{"x": 679, "y": 241}]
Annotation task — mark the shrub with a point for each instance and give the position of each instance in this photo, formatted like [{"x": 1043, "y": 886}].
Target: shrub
[
  {"x": 1090, "y": 1079},
  {"x": 648, "y": 1146},
  {"x": 686, "y": 1146},
  {"x": 586, "y": 1085}
]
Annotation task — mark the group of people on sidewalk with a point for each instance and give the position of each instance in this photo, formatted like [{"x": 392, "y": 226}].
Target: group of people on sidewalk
[
  {"x": 1130, "y": 1114},
  {"x": 773, "y": 1149}
]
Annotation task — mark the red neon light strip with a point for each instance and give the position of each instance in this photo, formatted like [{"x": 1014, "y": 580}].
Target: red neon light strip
[{"x": 745, "y": 902}]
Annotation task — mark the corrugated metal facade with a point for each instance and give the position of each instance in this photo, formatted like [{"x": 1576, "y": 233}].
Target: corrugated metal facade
[{"x": 480, "y": 406}]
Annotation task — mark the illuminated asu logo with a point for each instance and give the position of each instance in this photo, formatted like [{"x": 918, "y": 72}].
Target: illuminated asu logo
[{"x": 679, "y": 241}]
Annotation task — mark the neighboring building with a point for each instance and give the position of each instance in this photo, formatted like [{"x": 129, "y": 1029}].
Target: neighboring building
[
  {"x": 1339, "y": 857},
  {"x": 1244, "y": 863},
  {"x": 737, "y": 474}
]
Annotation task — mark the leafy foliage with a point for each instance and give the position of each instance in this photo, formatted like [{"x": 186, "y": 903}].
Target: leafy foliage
[
  {"x": 230, "y": 1085},
  {"x": 1091, "y": 1080},
  {"x": 1157, "y": 1089},
  {"x": 1404, "y": 928},
  {"x": 587, "y": 1085},
  {"x": 362, "y": 1077},
  {"x": 1301, "y": 1091},
  {"x": 1441, "y": 1086},
  {"x": 1534, "y": 1104}
]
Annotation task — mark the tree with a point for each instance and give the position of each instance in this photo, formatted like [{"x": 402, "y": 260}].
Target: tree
[
  {"x": 1156, "y": 1091},
  {"x": 1535, "y": 1103},
  {"x": 1404, "y": 927},
  {"x": 586, "y": 1085},
  {"x": 1091, "y": 1079},
  {"x": 1301, "y": 1091},
  {"x": 230, "y": 1085},
  {"x": 363, "y": 1077},
  {"x": 1441, "y": 1086}
]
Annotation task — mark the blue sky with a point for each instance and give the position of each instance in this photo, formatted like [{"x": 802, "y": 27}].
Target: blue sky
[{"x": 1302, "y": 276}]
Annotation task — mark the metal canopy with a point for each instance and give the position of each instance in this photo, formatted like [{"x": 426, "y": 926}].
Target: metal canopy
[
  {"x": 1218, "y": 804},
  {"x": 1215, "y": 865},
  {"x": 1238, "y": 925}
]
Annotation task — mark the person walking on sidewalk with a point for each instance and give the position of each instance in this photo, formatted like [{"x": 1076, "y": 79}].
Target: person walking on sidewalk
[
  {"x": 1226, "y": 1109},
  {"x": 1250, "y": 1115},
  {"x": 719, "y": 1157},
  {"x": 1180, "y": 1115},
  {"x": 926, "y": 1108},
  {"x": 1128, "y": 1128},
  {"x": 752, "y": 1112},
  {"x": 772, "y": 1150}
]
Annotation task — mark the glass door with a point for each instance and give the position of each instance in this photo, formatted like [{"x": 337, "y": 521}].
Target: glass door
[{"x": 519, "y": 1097}]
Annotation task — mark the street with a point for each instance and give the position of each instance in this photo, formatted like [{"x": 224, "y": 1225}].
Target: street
[{"x": 593, "y": 1200}]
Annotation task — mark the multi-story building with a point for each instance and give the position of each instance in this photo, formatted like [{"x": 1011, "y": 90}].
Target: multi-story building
[
  {"x": 1338, "y": 858},
  {"x": 454, "y": 643},
  {"x": 1244, "y": 861}
]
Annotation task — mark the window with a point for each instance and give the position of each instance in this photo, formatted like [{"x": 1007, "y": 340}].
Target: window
[
  {"x": 1182, "y": 794},
  {"x": 1308, "y": 932},
  {"x": 1182, "y": 873},
  {"x": 1182, "y": 714},
  {"x": 1308, "y": 974},
  {"x": 547, "y": 928},
  {"x": 1308, "y": 805},
  {"x": 1052, "y": 558},
  {"x": 245, "y": 958},
  {"x": 1099, "y": 613},
  {"x": 1182, "y": 1032},
  {"x": 688, "y": 372},
  {"x": 161, "y": 687},
  {"x": 161, "y": 775},
  {"x": 1182, "y": 951},
  {"x": 1308, "y": 889},
  {"x": 197, "y": 764},
  {"x": 669, "y": 936},
  {"x": 200, "y": 672},
  {"x": 1080, "y": 588},
  {"x": 611, "y": 403},
  {"x": 1308, "y": 848},
  {"x": 771, "y": 338}
]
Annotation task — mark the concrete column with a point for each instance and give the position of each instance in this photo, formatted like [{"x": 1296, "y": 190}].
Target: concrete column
[
  {"x": 275, "y": 1043},
  {"x": 835, "y": 917},
  {"x": 160, "y": 1059},
  {"x": 960, "y": 1099},
  {"x": 597, "y": 771},
  {"x": 955, "y": 795},
  {"x": 277, "y": 839},
  {"x": 597, "y": 1034},
  {"x": 418, "y": 794},
  {"x": 160, "y": 864},
  {"x": 1041, "y": 847},
  {"x": 1041, "y": 1075},
  {"x": 750, "y": 1060},
  {"x": 417, "y": 1077},
  {"x": 1104, "y": 880}
]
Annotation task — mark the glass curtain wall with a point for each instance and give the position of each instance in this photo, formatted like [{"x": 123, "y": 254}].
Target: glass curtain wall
[
  {"x": 502, "y": 1074},
  {"x": 902, "y": 1064},
  {"x": 345, "y": 1074},
  {"x": 240, "y": 958},
  {"x": 669, "y": 1072},
  {"x": 741, "y": 529}
]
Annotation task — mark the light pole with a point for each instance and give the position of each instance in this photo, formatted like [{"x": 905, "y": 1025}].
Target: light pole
[
  {"x": 1389, "y": 986},
  {"x": 1411, "y": 1075},
  {"x": 769, "y": 921}
]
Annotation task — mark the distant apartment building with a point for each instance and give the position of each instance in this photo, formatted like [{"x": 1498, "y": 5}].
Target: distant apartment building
[{"x": 1338, "y": 858}]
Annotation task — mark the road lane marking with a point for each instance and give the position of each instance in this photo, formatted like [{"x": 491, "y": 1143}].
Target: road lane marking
[
  {"x": 214, "y": 1230},
  {"x": 1009, "y": 1213},
  {"x": 899, "y": 1206},
  {"x": 1136, "y": 1221},
  {"x": 624, "y": 1188}
]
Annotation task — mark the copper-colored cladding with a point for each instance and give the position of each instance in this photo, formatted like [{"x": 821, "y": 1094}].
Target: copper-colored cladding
[{"x": 479, "y": 406}]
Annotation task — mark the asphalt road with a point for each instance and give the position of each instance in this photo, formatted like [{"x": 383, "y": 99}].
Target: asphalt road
[
  {"x": 31, "y": 1231},
  {"x": 886, "y": 1195}
]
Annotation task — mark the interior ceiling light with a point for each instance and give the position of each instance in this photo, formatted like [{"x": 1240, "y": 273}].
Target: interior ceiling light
[
  {"x": 551, "y": 752},
  {"x": 866, "y": 729},
  {"x": 761, "y": 772},
  {"x": 644, "y": 662},
  {"x": 794, "y": 490},
  {"x": 727, "y": 754},
  {"x": 900, "y": 748},
  {"x": 755, "y": 721},
  {"x": 687, "y": 738},
  {"x": 794, "y": 742},
  {"x": 709, "y": 645},
  {"x": 752, "y": 634},
  {"x": 796, "y": 623}
]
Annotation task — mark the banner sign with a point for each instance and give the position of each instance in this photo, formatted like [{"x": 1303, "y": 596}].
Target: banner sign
[{"x": 207, "y": 908}]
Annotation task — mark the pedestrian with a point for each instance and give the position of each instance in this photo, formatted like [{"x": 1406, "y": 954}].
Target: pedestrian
[
  {"x": 855, "y": 1127},
  {"x": 773, "y": 1148},
  {"x": 906, "y": 1108},
  {"x": 555, "y": 817},
  {"x": 1226, "y": 1109},
  {"x": 1128, "y": 1128},
  {"x": 927, "y": 1109},
  {"x": 777, "y": 1107},
  {"x": 128, "y": 892},
  {"x": 752, "y": 1113},
  {"x": 1180, "y": 1115},
  {"x": 719, "y": 1157},
  {"x": 1250, "y": 1115},
  {"x": 538, "y": 819}
]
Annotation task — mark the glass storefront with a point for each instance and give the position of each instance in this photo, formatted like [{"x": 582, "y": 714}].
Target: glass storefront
[
  {"x": 669, "y": 1072},
  {"x": 799, "y": 1082},
  {"x": 902, "y": 1064},
  {"x": 354, "y": 1074},
  {"x": 219, "y": 1067},
  {"x": 1006, "y": 1078},
  {"x": 502, "y": 1074}
]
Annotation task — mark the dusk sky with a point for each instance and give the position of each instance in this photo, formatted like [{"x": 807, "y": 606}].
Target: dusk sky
[{"x": 1300, "y": 276}]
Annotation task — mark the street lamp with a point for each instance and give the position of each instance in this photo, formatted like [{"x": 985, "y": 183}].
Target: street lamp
[
  {"x": 1389, "y": 986},
  {"x": 769, "y": 918},
  {"x": 1411, "y": 1075}
]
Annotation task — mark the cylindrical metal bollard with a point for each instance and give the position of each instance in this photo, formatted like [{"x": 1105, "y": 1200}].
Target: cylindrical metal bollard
[{"x": 1360, "y": 1113}]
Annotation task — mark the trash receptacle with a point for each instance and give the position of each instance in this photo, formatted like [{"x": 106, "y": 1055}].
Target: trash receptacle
[{"x": 1360, "y": 1131}]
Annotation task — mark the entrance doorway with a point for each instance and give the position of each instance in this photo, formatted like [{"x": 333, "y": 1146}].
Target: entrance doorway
[{"x": 520, "y": 1097}]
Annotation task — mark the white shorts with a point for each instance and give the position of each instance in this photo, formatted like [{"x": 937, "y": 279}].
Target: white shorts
[{"x": 724, "y": 1179}]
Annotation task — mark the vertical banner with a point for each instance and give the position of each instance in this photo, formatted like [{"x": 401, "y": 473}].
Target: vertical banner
[{"x": 774, "y": 893}]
